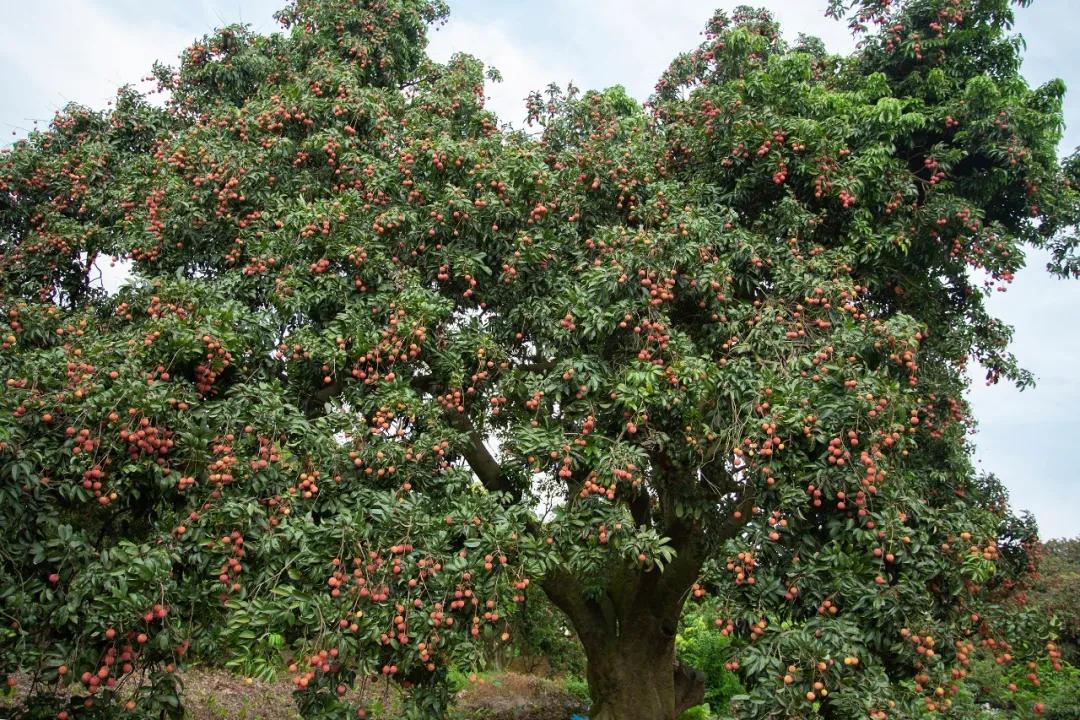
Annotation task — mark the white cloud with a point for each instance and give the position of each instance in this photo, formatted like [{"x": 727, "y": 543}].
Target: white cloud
[
  {"x": 596, "y": 44},
  {"x": 490, "y": 42},
  {"x": 74, "y": 52},
  {"x": 57, "y": 51}
]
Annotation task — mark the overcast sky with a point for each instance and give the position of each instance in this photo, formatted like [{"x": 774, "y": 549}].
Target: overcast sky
[{"x": 56, "y": 51}]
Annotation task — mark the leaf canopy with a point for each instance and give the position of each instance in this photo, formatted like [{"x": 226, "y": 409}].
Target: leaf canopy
[{"x": 380, "y": 363}]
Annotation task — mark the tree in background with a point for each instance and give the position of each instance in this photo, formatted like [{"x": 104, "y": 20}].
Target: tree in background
[
  {"x": 1053, "y": 592},
  {"x": 367, "y": 333}
]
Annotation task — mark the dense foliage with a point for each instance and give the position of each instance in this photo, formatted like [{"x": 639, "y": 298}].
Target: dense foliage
[
  {"x": 700, "y": 646},
  {"x": 998, "y": 692},
  {"x": 1053, "y": 592},
  {"x": 368, "y": 332}
]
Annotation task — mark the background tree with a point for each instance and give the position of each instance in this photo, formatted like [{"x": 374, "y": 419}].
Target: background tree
[
  {"x": 1053, "y": 592},
  {"x": 367, "y": 331}
]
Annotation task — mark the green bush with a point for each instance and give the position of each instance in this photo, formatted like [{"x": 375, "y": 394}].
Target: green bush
[
  {"x": 578, "y": 688},
  {"x": 700, "y": 645},
  {"x": 698, "y": 712},
  {"x": 1058, "y": 691},
  {"x": 456, "y": 679}
]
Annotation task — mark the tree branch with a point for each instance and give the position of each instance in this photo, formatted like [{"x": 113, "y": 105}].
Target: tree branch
[
  {"x": 479, "y": 458},
  {"x": 476, "y": 454},
  {"x": 669, "y": 593},
  {"x": 640, "y": 506},
  {"x": 565, "y": 592},
  {"x": 540, "y": 366}
]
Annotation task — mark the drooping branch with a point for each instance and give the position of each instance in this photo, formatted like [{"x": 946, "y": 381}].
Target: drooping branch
[
  {"x": 719, "y": 480},
  {"x": 476, "y": 454}
]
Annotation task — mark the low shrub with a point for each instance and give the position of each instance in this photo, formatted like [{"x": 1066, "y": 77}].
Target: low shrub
[{"x": 578, "y": 688}]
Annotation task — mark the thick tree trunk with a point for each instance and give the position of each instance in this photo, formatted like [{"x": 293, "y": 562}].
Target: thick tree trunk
[
  {"x": 628, "y": 634},
  {"x": 638, "y": 680},
  {"x": 623, "y": 688},
  {"x": 627, "y": 623}
]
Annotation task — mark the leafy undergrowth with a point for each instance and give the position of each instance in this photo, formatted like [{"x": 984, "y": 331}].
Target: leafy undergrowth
[{"x": 212, "y": 694}]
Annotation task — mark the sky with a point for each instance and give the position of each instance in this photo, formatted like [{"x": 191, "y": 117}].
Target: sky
[{"x": 57, "y": 51}]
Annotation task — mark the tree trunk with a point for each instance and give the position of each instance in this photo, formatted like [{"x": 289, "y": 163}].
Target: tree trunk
[
  {"x": 629, "y": 642},
  {"x": 627, "y": 624},
  {"x": 638, "y": 678}
]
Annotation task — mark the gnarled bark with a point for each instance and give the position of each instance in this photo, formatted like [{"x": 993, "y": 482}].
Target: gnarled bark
[{"x": 628, "y": 633}]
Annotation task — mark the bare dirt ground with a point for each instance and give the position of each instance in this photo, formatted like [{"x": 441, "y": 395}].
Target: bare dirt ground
[
  {"x": 511, "y": 696},
  {"x": 211, "y": 694},
  {"x": 216, "y": 695}
]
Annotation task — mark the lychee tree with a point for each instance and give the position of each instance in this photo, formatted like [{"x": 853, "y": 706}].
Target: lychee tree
[{"x": 382, "y": 368}]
